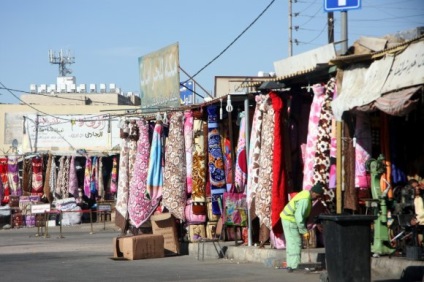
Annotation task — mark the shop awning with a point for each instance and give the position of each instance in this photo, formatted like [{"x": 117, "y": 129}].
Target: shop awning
[
  {"x": 397, "y": 103},
  {"x": 363, "y": 85}
]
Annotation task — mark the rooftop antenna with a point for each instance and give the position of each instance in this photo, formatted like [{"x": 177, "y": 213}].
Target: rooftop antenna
[{"x": 62, "y": 58}]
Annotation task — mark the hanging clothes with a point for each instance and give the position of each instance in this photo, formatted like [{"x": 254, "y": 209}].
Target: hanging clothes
[
  {"x": 311, "y": 141},
  {"x": 254, "y": 152},
  {"x": 13, "y": 175},
  {"x": 5, "y": 181},
  {"x": 241, "y": 161},
  {"x": 140, "y": 207},
  {"x": 123, "y": 177},
  {"x": 37, "y": 176},
  {"x": 278, "y": 193},
  {"x": 188, "y": 140},
  {"x": 155, "y": 171},
  {"x": 215, "y": 160},
  {"x": 73, "y": 178},
  {"x": 199, "y": 166},
  {"x": 46, "y": 188},
  {"x": 263, "y": 192},
  {"x": 175, "y": 172}
]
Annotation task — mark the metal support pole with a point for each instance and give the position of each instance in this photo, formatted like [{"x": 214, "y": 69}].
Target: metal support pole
[
  {"x": 344, "y": 38},
  {"x": 246, "y": 113},
  {"x": 61, "y": 223},
  {"x": 290, "y": 30},
  {"x": 339, "y": 167},
  {"x": 339, "y": 124},
  {"x": 91, "y": 222}
]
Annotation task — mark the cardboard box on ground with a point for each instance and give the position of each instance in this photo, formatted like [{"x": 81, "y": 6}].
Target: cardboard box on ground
[
  {"x": 144, "y": 246},
  {"x": 165, "y": 224}
]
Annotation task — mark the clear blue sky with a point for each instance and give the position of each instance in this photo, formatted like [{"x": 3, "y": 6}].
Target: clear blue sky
[{"x": 107, "y": 36}]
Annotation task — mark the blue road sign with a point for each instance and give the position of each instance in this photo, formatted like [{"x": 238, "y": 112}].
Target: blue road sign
[{"x": 341, "y": 5}]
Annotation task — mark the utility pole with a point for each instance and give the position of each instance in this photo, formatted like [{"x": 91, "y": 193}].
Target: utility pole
[{"x": 290, "y": 30}]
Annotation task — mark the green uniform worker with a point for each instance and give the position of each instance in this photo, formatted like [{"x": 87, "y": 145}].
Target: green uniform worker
[{"x": 293, "y": 217}]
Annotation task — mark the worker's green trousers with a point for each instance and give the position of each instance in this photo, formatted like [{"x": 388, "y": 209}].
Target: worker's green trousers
[{"x": 293, "y": 243}]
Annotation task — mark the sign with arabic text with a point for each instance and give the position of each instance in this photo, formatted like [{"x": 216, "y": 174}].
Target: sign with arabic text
[{"x": 67, "y": 132}]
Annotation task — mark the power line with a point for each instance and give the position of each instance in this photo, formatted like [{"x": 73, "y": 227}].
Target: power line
[{"x": 234, "y": 41}]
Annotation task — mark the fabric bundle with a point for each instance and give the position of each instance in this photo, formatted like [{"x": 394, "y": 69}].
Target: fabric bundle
[
  {"x": 215, "y": 161},
  {"x": 175, "y": 172}
]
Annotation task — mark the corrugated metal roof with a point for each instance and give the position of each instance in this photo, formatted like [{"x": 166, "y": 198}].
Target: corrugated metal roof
[{"x": 349, "y": 59}]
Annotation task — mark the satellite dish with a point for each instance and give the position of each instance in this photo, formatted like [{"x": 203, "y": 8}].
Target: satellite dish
[{"x": 15, "y": 143}]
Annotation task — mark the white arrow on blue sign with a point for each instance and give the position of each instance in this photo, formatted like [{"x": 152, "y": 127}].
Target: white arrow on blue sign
[{"x": 341, "y": 5}]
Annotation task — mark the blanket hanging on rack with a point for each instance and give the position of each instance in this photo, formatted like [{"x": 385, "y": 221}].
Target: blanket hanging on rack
[
  {"x": 123, "y": 184},
  {"x": 155, "y": 171},
  {"x": 113, "y": 180},
  {"x": 37, "y": 176},
  {"x": 46, "y": 188},
  {"x": 73, "y": 178},
  {"x": 241, "y": 161},
  {"x": 312, "y": 137},
  {"x": 278, "y": 191},
  {"x": 5, "y": 181},
  {"x": 254, "y": 152},
  {"x": 199, "y": 166},
  {"x": 87, "y": 176},
  {"x": 175, "y": 173},
  {"x": 13, "y": 174},
  {"x": 215, "y": 160},
  {"x": 139, "y": 207},
  {"x": 322, "y": 150},
  {"x": 263, "y": 193},
  {"x": 188, "y": 140}
]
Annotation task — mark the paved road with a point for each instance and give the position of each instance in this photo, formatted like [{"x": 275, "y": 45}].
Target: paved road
[{"x": 81, "y": 256}]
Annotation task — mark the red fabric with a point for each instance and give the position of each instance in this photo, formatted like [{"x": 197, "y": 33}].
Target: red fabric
[{"x": 278, "y": 191}]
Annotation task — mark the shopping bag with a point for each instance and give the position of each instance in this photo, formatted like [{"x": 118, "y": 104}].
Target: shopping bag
[{"x": 235, "y": 208}]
